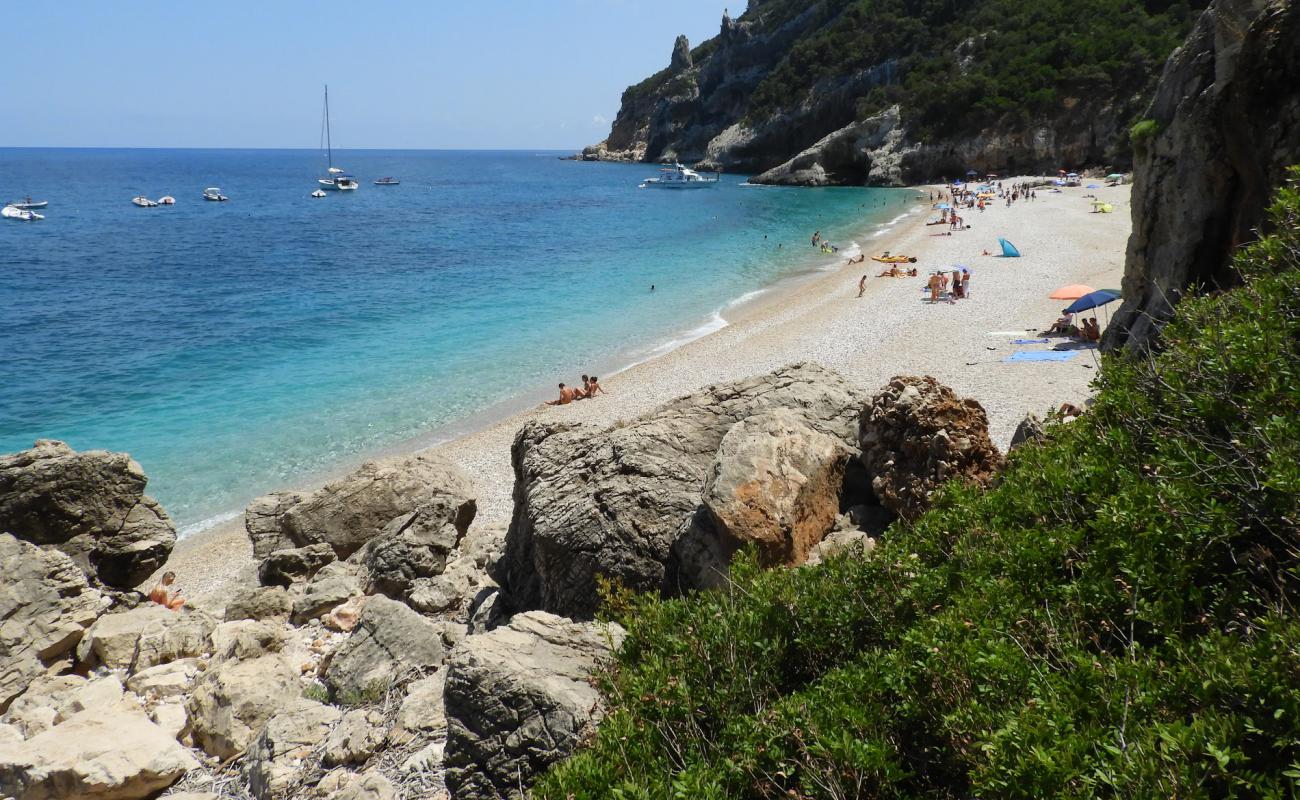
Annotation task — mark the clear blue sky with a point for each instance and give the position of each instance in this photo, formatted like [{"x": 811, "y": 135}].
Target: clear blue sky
[{"x": 402, "y": 73}]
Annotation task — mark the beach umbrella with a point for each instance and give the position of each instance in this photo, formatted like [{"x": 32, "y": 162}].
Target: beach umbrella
[
  {"x": 1099, "y": 297},
  {"x": 1072, "y": 292},
  {"x": 1114, "y": 176}
]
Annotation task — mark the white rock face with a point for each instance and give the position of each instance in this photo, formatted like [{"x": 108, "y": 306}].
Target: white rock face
[{"x": 97, "y": 754}]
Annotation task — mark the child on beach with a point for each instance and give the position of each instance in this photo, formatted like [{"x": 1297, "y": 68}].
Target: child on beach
[{"x": 862, "y": 285}]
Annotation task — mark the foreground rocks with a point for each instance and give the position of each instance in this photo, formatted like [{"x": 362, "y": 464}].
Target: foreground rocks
[
  {"x": 613, "y": 502},
  {"x": 46, "y": 605},
  {"x": 389, "y": 640},
  {"x": 917, "y": 434},
  {"x": 91, "y": 506},
  {"x": 520, "y": 698},
  {"x": 96, "y": 754}
]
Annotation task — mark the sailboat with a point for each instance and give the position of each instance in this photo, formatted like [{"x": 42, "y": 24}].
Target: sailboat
[{"x": 336, "y": 179}]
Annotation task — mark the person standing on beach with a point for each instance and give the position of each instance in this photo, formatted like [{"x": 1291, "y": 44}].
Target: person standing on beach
[
  {"x": 965, "y": 283},
  {"x": 862, "y": 285},
  {"x": 936, "y": 285}
]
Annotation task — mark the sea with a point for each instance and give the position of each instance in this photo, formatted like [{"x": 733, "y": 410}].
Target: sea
[{"x": 241, "y": 347}]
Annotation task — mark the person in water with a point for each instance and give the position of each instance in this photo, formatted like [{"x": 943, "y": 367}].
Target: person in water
[
  {"x": 567, "y": 396},
  {"x": 164, "y": 595}
]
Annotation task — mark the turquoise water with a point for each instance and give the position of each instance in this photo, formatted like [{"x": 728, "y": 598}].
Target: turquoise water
[{"x": 235, "y": 348}]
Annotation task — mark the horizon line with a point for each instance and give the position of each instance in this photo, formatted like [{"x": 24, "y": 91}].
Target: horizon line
[{"x": 236, "y": 147}]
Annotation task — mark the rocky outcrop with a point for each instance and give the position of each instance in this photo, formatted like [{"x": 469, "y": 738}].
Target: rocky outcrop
[
  {"x": 274, "y": 759},
  {"x": 408, "y": 512},
  {"x": 234, "y": 699},
  {"x": 1222, "y": 127},
  {"x": 144, "y": 637},
  {"x": 95, "y": 755},
  {"x": 328, "y": 589},
  {"x": 775, "y": 483},
  {"x": 869, "y": 151},
  {"x": 519, "y": 699},
  {"x": 89, "y": 505},
  {"x": 267, "y": 602},
  {"x": 46, "y": 605},
  {"x": 917, "y": 434},
  {"x": 776, "y": 92},
  {"x": 614, "y": 502},
  {"x": 390, "y": 639}
]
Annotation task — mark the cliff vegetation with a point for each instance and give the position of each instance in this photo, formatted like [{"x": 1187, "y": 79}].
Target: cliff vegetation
[{"x": 1116, "y": 617}]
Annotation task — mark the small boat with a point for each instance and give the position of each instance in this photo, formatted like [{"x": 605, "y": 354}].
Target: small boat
[
  {"x": 28, "y": 204},
  {"x": 214, "y": 193},
  {"x": 166, "y": 200},
  {"x": 143, "y": 202},
  {"x": 335, "y": 180},
  {"x": 387, "y": 182},
  {"x": 318, "y": 193},
  {"x": 679, "y": 177},
  {"x": 24, "y": 214}
]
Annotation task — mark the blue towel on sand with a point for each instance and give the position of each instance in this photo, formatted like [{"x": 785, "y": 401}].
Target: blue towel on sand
[
  {"x": 1029, "y": 341},
  {"x": 1040, "y": 355}
]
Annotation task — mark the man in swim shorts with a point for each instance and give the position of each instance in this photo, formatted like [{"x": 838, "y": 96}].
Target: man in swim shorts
[{"x": 567, "y": 396}]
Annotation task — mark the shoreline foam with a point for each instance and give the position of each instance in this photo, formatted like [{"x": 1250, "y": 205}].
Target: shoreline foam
[{"x": 816, "y": 316}]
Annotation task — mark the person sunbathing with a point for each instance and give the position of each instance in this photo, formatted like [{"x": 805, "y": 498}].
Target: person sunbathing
[
  {"x": 892, "y": 272},
  {"x": 164, "y": 595},
  {"x": 567, "y": 395},
  {"x": 1063, "y": 326},
  {"x": 594, "y": 388}
]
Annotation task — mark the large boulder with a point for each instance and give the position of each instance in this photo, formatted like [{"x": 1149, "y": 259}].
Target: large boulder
[
  {"x": 390, "y": 639},
  {"x": 613, "y": 502},
  {"x": 53, "y": 699},
  {"x": 775, "y": 484},
  {"x": 349, "y": 512},
  {"x": 260, "y": 602},
  {"x": 413, "y": 546},
  {"x": 234, "y": 699},
  {"x": 144, "y": 637},
  {"x": 46, "y": 605},
  {"x": 275, "y": 758},
  {"x": 328, "y": 589},
  {"x": 98, "y": 754},
  {"x": 520, "y": 698},
  {"x": 294, "y": 565},
  {"x": 90, "y": 505},
  {"x": 1220, "y": 132},
  {"x": 916, "y": 434}
]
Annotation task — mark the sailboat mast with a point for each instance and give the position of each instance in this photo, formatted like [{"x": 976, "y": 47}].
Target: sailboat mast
[{"x": 329, "y": 145}]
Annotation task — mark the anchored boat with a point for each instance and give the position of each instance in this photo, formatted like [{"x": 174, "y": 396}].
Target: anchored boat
[
  {"x": 679, "y": 177},
  {"x": 214, "y": 194},
  {"x": 22, "y": 214},
  {"x": 335, "y": 180}
]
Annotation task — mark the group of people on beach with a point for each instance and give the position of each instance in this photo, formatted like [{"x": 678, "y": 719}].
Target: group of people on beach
[
  {"x": 1087, "y": 329},
  {"x": 568, "y": 394},
  {"x": 958, "y": 287}
]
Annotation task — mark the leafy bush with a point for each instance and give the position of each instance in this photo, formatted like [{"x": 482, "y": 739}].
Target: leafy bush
[
  {"x": 1117, "y": 617},
  {"x": 1143, "y": 130}
]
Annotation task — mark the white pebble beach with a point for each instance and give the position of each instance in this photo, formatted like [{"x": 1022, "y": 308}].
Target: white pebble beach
[{"x": 891, "y": 330}]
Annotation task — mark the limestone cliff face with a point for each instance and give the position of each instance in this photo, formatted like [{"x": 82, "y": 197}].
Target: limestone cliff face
[
  {"x": 702, "y": 110},
  {"x": 1224, "y": 124}
]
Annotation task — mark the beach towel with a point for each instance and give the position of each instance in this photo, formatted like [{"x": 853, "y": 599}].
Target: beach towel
[
  {"x": 1030, "y": 341},
  {"x": 1039, "y": 355}
]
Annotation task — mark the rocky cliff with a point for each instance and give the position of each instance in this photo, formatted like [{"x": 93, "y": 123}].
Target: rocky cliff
[
  {"x": 1222, "y": 127},
  {"x": 822, "y": 92}
]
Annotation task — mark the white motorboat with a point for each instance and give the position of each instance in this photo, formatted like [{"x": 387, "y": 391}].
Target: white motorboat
[
  {"x": 214, "y": 193},
  {"x": 336, "y": 180},
  {"x": 144, "y": 202},
  {"x": 387, "y": 182},
  {"x": 679, "y": 177},
  {"x": 318, "y": 193},
  {"x": 166, "y": 200},
  {"x": 23, "y": 214},
  {"x": 28, "y": 204}
]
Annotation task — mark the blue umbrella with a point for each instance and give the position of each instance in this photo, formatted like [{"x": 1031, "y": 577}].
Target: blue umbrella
[{"x": 1093, "y": 299}]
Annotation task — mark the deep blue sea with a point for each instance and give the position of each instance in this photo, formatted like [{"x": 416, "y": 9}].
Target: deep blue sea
[{"x": 236, "y": 348}]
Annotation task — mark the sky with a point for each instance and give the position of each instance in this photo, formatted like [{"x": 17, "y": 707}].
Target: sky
[{"x": 402, "y": 73}]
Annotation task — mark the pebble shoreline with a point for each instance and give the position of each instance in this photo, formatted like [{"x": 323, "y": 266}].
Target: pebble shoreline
[{"x": 891, "y": 330}]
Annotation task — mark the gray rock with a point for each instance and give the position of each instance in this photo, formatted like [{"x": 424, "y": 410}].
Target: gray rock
[
  {"x": 90, "y": 505},
  {"x": 681, "y": 58},
  {"x": 267, "y": 602},
  {"x": 36, "y": 709},
  {"x": 486, "y": 611},
  {"x": 917, "y": 434},
  {"x": 46, "y": 605},
  {"x": 775, "y": 484},
  {"x": 144, "y": 637},
  {"x": 1030, "y": 429},
  {"x": 422, "y": 714},
  {"x": 286, "y": 567},
  {"x": 328, "y": 589},
  {"x": 275, "y": 759},
  {"x": 841, "y": 542},
  {"x": 245, "y": 639},
  {"x": 413, "y": 546},
  {"x": 95, "y": 755},
  {"x": 234, "y": 699},
  {"x": 262, "y": 522},
  {"x": 371, "y": 786},
  {"x": 612, "y": 502},
  {"x": 865, "y": 151},
  {"x": 172, "y": 680},
  {"x": 355, "y": 739},
  {"x": 390, "y": 639},
  {"x": 518, "y": 699},
  {"x": 1203, "y": 179}
]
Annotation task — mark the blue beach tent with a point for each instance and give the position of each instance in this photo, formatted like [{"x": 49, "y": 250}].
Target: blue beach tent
[{"x": 1008, "y": 249}]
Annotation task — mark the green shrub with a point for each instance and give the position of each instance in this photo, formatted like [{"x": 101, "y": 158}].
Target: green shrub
[
  {"x": 1143, "y": 130},
  {"x": 1117, "y": 617}
]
